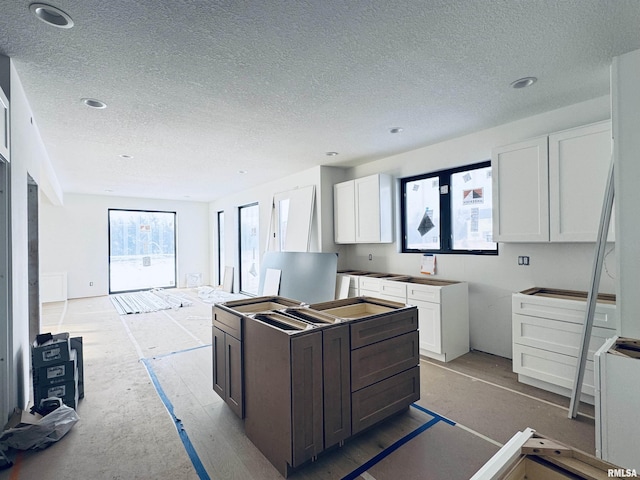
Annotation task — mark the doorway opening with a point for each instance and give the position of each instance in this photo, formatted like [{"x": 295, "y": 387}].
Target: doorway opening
[
  {"x": 33, "y": 258},
  {"x": 142, "y": 250},
  {"x": 5, "y": 297}
]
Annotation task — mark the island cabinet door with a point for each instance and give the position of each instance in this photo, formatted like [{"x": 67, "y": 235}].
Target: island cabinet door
[
  {"x": 306, "y": 397},
  {"x": 337, "y": 390},
  {"x": 233, "y": 384},
  {"x": 219, "y": 363}
]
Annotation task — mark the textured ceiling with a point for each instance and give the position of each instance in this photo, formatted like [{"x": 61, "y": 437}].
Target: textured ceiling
[{"x": 197, "y": 90}]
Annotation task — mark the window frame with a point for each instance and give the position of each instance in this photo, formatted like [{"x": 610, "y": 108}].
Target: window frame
[
  {"x": 221, "y": 245},
  {"x": 446, "y": 227},
  {"x": 256, "y": 254},
  {"x": 175, "y": 248}
]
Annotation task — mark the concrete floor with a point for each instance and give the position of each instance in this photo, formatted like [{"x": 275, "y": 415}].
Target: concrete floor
[{"x": 149, "y": 411}]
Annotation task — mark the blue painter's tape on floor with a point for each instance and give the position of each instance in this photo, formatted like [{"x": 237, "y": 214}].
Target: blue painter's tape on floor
[
  {"x": 391, "y": 448},
  {"x": 188, "y": 446},
  {"x": 182, "y": 351},
  {"x": 434, "y": 414}
]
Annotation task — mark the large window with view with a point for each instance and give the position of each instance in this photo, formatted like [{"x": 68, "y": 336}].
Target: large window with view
[
  {"x": 142, "y": 250},
  {"x": 448, "y": 211},
  {"x": 249, "y": 222}
]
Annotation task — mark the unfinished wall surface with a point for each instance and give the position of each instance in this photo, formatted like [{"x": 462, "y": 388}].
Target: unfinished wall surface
[
  {"x": 28, "y": 158},
  {"x": 74, "y": 238}
]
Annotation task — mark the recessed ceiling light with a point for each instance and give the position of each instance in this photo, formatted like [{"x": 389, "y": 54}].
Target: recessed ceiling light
[
  {"x": 524, "y": 82},
  {"x": 331, "y": 154},
  {"x": 242, "y": 172},
  {"x": 93, "y": 103},
  {"x": 124, "y": 155},
  {"x": 396, "y": 130},
  {"x": 108, "y": 190},
  {"x": 51, "y": 15}
]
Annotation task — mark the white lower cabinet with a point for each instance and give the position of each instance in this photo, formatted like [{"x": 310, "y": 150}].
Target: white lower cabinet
[
  {"x": 443, "y": 313},
  {"x": 617, "y": 380},
  {"x": 547, "y": 332},
  {"x": 443, "y": 308},
  {"x": 429, "y": 327}
]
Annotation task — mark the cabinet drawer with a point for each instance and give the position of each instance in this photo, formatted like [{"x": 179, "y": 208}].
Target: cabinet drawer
[
  {"x": 556, "y": 336},
  {"x": 378, "y": 401},
  {"x": 551, "y": 367},
  {"x": 228, "y": 322},
  {"x": 380, "y": 360},
  {"x": 392, "y": 298},
  {"x": 371, "y": 284},
  {"x": 393, "y": 290},
  {"x": 375, "y": 330},
  {"x": 425, "y": 293},
  {"x": 564, "y": 309}
]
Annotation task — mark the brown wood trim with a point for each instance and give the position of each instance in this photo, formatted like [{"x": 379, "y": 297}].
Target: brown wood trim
[
  {"x": 337, "y": 384},
  {"x": 567, "y": 294},
  {"x": 306, "y": 397},
  {"x": 219, "y": 364}
]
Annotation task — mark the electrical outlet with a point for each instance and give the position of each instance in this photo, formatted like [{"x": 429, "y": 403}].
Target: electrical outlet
[
  {"x": 370, "y": 256},
  {"x": 523, "y": 260}
]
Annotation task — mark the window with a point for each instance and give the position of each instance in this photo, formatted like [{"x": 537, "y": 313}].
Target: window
[
  {"x": 448, "y": 211},
  {"x": 142, "y": 250},
  {"x": 249, "y": 221},
  {"x": 221, "y": 262}
]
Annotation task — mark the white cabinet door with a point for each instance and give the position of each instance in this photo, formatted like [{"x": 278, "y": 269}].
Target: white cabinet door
[
  {"x": 374, "y": 221},
  {"x": 363, "y": 210},
  {"x": 579, "y": 161},
  {"x": 367, "y": 192},
  {"x": 344, "y": 211},
  {"x": 429, "y": 326},
  {"x": 4, "y": 125},
  {"x": 521, "y": 192}
]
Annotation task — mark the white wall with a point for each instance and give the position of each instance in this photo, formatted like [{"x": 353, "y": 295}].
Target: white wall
[
  {"x": 321, "y": 227},
  {"x": 492, "y": 279},
  {"x": 626, "y": 132},
  {"x": 28, "y": 158},
  {"x": 74, "y": 238}
]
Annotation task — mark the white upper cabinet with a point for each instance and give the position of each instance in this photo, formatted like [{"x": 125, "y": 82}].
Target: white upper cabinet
[
  {"x": 374, "y": 222},
  {"x": 344, "y": 212},
  {"x": 521, "y": 192},
  {"x": 551, "y": 188},
  {"x": 4, "y": 125},
  {"x": 363, "y": 210},
  {"x": 579, "y": 161}
]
